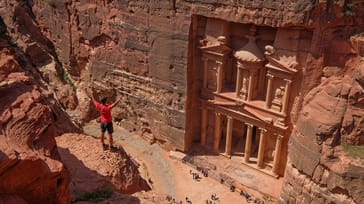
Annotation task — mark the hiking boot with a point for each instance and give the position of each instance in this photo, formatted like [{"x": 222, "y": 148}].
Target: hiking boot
[{"x": 104, "y": 146}]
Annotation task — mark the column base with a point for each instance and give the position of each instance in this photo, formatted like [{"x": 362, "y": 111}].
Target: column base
[
  {"x": 226, "y": 155},
  {"x": 264, "y": 170}
]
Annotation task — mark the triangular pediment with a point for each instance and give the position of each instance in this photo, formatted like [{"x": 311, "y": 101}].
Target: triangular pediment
[
  {"x": 288, "y": 66},
  {"x": 217, "y": 48}
]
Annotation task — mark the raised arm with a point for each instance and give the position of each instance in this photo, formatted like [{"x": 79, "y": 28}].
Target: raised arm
[
  {"x": 89, "y": 94},
  {"x": 116, "y": 102}
]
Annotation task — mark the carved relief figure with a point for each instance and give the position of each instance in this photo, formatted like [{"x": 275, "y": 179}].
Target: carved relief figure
[
  {"x": 212, "y": 77},
  {"x": 277, "y": 100},
  {"x": 244, "y": 88}
]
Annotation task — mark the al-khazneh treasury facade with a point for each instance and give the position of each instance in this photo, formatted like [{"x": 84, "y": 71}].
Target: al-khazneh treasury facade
[{"x": 246, "y": 92}]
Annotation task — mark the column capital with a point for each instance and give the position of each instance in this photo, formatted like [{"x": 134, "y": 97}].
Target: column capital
[
  {"x": 279, "y": 136},
  {"x": 219, "y": 63},
  {"x": 240, "y": 65},
  {"x": 262, "y": 129},
  {"x": 270, "y": 76},
  {"x": 249, "y": 125},
  {"x": 229, "y": 117},
  {"x": 217, "y": 114},
  {"x": 288, "y": 81}
]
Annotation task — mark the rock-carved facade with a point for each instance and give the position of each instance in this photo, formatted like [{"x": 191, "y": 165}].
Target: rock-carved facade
[{"x": 245, "y": 99}]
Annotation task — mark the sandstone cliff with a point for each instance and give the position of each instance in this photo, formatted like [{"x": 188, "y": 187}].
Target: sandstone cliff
[
  {"x": 138, "y": 49},
  {"x": 98, "y": 168},
  {"x": 320, "y": 168},
  {"x": 30, "y": 166},
  {"x": 145, "y": 51}
]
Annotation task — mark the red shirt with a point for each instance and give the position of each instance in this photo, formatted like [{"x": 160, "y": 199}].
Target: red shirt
[{"x": 105, "y": 111}]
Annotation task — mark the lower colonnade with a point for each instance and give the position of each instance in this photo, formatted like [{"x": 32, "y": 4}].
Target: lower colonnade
[{"x": 252, "y": 134}]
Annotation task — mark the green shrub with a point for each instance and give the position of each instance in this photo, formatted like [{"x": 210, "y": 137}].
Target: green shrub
[
  {"x": 68, "y": 80},
  {"x": 355, "y": 151},
  {"x": 96, "y": 195}
]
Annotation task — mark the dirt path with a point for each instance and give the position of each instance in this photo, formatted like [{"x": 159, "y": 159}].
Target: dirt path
[{"x": 168, "y": 176}]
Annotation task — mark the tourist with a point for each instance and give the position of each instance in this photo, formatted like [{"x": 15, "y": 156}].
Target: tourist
[
  {"x": 245, "y": 194},
  {"x": 214, "y": 197},
  {"x": 204, "y": 172},
  {"x": 232, "y": 188},
  {"x": 106, "y": 119}
]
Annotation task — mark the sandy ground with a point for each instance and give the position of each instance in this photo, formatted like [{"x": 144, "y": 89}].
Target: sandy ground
[
  {"x": 173, "y": 178},
  {"x": 168, "y": 176}
]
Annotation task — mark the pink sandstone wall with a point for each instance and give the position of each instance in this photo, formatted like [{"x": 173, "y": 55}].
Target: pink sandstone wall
[
  {"x": 140, "y": 49},
  {"x": 145, "y": 50}
]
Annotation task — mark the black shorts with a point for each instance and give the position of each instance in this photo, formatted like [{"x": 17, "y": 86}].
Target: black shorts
[{"x": 107, "y": 126}]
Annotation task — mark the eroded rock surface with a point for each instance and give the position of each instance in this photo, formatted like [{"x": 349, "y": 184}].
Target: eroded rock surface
[
  {"x": 319, "y": 170},
  {"x": 146, "y": 52},
  {"x": 30, "y": 166},
  {"x": 137, "y": 49},
  {"x": 91, "y": 167}
]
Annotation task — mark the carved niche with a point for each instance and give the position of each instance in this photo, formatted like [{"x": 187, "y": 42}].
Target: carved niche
[
  {"x": 250, "y": 61},
  {"x": 215, "y": 59},
  {"x": 280, "y": 73}
]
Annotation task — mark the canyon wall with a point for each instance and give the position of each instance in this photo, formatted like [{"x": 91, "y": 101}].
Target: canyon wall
[
  {"x": 146, "y": 52},
  {"x": 30, "y": 166},
  {"x": 138, "y": 49}
]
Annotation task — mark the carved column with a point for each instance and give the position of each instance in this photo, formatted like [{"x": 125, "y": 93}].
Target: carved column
[
  {"x": 203, "y": 125},
  {"x": 238, "y": 80},
  {"x": 268, "y": 99},
  {"x": 286, "y": 96},
  {"x": 229, "y": 135},
  {"x": 248, "y": 142},
  {"x": 217, "y": 131},
  {"x": 277, "y": 153},
  {"x": 205, "y": 72},
  {"x": 250, "y": 86},
  {"x": 261, "y": 147},
  {"x": 219, "y": 76}
]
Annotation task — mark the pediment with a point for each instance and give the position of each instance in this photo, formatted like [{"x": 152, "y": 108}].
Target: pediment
[
  {"x": 249, "y": 111},
  {"x": 285, "y": 65},
  {"x": 217, "y": 48}
]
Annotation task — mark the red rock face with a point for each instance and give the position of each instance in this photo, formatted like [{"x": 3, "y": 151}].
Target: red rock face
[
  {"x": 140, "y": 50},
  {"x": 319, "y": 171},
  {"x": 330, "y": 117},
  {"x": 145, "y": 51},
  {"x": 29, "y": 161},
  {"x": 98, "y": 168}
]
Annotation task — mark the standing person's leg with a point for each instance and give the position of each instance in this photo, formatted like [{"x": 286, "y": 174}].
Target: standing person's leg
[
  {"x": 110, "y": 130},
  {"x": 103, "y": 129}
]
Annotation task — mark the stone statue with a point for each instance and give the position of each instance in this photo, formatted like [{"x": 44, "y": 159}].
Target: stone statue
[
  {"x": 221, "y": 40},
  {"x": 277, "y": 100},
  {"x": 269, "y": 50},
  {"x": 244, "y": 88},
  {"x": 278, "y": 94}
]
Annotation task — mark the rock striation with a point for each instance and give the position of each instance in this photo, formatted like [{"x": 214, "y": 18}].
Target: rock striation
[
  {"x": 148, "y": 52},
  {"x": 319, "y": 170},
  {"x": 139, "y": 50}
]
